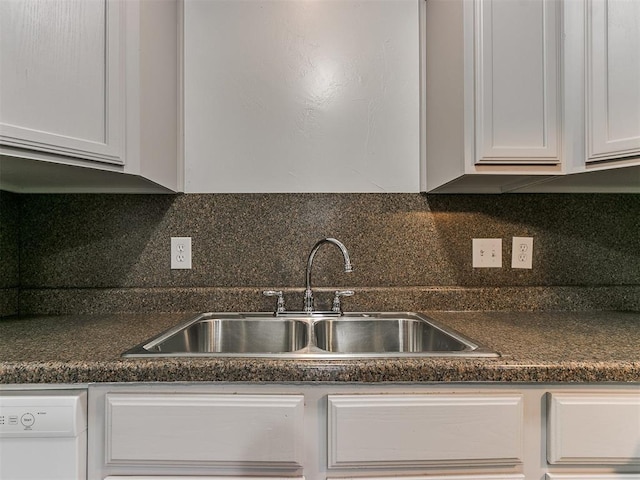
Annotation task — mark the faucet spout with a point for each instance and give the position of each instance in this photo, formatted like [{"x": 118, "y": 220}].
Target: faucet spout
[{"x": 308, "y": 293}]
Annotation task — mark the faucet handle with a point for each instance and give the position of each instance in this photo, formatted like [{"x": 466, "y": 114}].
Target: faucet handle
[
  {"x": 336, "y": 299},
  {"x": 280, "y": 301}
]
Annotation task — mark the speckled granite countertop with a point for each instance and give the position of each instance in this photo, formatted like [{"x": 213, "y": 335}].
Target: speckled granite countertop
[{"x": 534, "y": 347}]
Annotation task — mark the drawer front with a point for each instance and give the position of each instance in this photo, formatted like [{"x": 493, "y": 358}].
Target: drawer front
[
  {"x": 497, "y": 476},
  {"x": 183, "y": 477},
  {"x": 418, "y": 430},
  {"x": 593, "y": 476},
  {"x": 201, "y": 429},
  {"x": 593, "y": 428}
]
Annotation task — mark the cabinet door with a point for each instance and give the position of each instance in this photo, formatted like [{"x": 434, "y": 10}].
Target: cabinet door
[
  {"x": 517, "y": 108},
  {"x": 217, "y": 477},
  {"x": 593, "y": 476},
  {"x": 497, "y": 476},
  {"x": 205, "y": 430},
  {"x": 60, "y": 80},
  {"x": 593, "y": 428},
  {"x": 378, "y": 431},
  {"x": 613, "y": 79}
]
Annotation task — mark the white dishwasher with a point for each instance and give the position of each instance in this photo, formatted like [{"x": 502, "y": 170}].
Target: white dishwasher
[{"x": 43, "y": 435}]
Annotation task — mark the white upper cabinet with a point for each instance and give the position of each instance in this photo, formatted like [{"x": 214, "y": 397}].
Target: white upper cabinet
[
  {"x": 516, "y": 82},
  {"x": 613, "y": 79},
  {"x": 298, "y": 96},
  {"x": 88, "y": 92},
  {"x": 532, "y": 96},
  {"x": 493, "y": 100},
  {"x": 62, "y": 89}
]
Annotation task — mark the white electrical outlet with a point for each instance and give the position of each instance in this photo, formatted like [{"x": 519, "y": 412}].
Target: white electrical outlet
[
  {"x": 180, "y": 253},
  {"x": 487, "y": 253},
  {"x": 522, "y": 252}
]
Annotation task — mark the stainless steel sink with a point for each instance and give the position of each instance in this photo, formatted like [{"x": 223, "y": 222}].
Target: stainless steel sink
[
  {"x": 318, "y": 335},
  {"x": 234, "y": 334},
  {"x": 384, "y": 335}
]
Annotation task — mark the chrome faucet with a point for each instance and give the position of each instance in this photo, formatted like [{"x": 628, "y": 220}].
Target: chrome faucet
[{"x": 308, "y": 293}]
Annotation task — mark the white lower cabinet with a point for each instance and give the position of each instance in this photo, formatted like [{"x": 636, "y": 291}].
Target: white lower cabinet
[
  {"x": 218, "y": 430},
  {"x": 600, "y": 476},
  {"x": 441, "y": 477},
  {"x": 182, "y": 477},
  {"x": 363, "y": 431},
  {"x": 593, "y": 429},
  {"x": 422, "y": 430}
]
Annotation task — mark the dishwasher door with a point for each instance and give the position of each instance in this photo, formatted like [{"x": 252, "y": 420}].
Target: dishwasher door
[{"x": 43, "y": 435}]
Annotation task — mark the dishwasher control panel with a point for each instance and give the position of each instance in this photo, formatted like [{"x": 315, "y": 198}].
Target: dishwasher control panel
[{"x": 41, "y": 415}]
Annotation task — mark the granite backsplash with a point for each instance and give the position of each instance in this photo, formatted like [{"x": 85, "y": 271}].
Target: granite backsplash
[
  {"x": 9, "y": 253},
  {"x": 86, "y": 253}
]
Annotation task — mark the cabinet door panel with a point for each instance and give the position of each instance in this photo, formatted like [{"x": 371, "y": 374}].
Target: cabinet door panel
[
  {"x": 418, "y": 430},
  {"x": 613, "y": 59},
  {"x": 441, "y": 477},
  {"x": 517, "y": 79},
  {"x": 184, "y": 477},
  {"x": 61, "y": 85},
  {"x": 593, "y": 429},
  {"x": 199, "y": 429},
  {"x": 593, "y": 476}
]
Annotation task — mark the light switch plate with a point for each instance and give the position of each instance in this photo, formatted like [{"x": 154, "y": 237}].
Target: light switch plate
[
  {"x": 487, "y": 253},
  {"x": 180, "y": 253}
]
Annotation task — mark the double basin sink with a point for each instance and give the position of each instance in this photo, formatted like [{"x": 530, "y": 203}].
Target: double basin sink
[{"x": 318, "y": 335}]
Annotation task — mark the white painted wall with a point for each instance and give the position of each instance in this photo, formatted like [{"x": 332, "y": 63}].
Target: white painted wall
[{"x": 302, "y": 96}]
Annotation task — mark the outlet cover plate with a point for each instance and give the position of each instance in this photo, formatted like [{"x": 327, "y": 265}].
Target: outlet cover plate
[
  {"x": 180, "y": 253},
  {"x": 522, "y": 252}
]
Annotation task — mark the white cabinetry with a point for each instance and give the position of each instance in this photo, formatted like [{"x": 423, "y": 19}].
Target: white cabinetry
[
  {"x": 593, "y": 428},
  {"x": 62, "y": 87},
  {"x": 182, "y": 477},
  {"x": 346, "y": 431},
  {"x": 493, "y": 99},
  {"x": 506, "y": 101},
  {"x": 592, "y": 476},
  {"x": 442, "y": 477},
  {"x": 205, "y": 429},
  {"x": 613, "y": 79},
  {"x": 89, "y": 93},
  {"x": 180, "y": 431},
  {"x": 515, "y": 82},
  {"x": 425, "y": 430}
]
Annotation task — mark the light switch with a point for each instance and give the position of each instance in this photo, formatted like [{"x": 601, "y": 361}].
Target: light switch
[{"x": 487, "y": 253}]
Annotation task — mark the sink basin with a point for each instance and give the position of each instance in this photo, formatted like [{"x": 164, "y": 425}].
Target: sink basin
[
  {"x": 215, "y": 334},
  {"x": 357, "y": 335},
  {"x": 318, "y": 335}
]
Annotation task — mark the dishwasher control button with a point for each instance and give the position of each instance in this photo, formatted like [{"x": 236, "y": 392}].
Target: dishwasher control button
[{"x": 27, "y": 420}]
